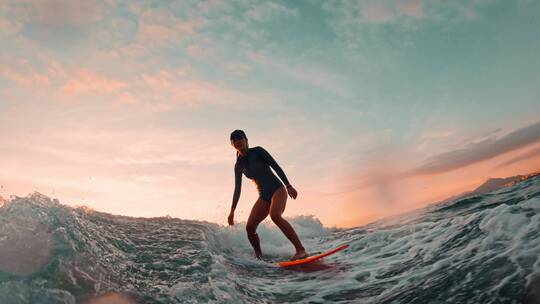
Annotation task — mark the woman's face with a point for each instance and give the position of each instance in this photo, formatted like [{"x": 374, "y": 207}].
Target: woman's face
[{"x": 239, "y": 144}]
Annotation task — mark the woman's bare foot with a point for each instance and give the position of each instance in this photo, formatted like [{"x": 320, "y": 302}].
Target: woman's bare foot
[
  {"x": 300, "y": 254},
  {"x": 258, "y": 255}
]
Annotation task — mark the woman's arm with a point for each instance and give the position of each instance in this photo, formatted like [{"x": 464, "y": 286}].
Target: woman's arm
[
  {"x": 270, "y": 161},
  {"x": 237, "y": 187},
  {"x": 236, "y": 195}
]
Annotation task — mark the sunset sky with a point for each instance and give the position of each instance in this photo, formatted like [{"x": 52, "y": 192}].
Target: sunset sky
[{"x": 371, "y": 108}]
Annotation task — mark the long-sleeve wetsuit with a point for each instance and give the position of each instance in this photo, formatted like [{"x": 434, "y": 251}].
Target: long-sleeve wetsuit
[{"x": 256, "y": 166}]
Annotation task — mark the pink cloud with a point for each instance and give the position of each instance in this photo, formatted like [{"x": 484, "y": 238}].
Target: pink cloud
[
  {"x": 156, "y": 33},
  {"x": 125, "y": 98},
  {"x": 377, "y": 12},
  {"x": 57, "y": 12},
  {"x": 390, "y": 11},
  {"x": 90, "y": 82},
  {"x": 413, "y": 8},
  {"x": 166, "y": 87},
  {"x": 373, "y": 195},
  {"x": 163, "y": 79},
  {"x": 477, "y": 152},
  {"x": 131, "y": 51},
  {"x": 159, "y": 91},
  {"x": 59, "y": 81},
  {"x": 9, "y": 27},
  {"x": 24, "y": 78},
  {"x": 161, "y": 27}
]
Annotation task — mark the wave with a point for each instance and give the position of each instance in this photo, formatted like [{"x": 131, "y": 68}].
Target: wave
[{"x": 479, "y": 249}]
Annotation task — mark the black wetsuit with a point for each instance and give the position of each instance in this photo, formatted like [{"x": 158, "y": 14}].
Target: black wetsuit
[{"x": 256, "y": 166}]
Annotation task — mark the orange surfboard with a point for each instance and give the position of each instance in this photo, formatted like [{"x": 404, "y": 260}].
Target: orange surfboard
[{"x": 311, "y": 258}]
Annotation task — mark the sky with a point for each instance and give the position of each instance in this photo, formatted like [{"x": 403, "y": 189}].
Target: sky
[{"x": 372, "y": 108}]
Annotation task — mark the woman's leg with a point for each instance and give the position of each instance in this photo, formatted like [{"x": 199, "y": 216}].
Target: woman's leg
[
  {"x": 257, "y": 215},
  {"x": 279, "y": 200}
]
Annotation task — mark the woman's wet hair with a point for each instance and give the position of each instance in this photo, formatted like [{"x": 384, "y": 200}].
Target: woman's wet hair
[{"x": 238, "y": 134}]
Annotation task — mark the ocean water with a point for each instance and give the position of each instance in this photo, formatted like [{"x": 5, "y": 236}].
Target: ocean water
[{"x": 479, "y": 249}]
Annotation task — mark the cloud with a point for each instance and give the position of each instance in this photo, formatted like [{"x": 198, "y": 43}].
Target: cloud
[
  {"x": 525, "y": 156},
  {"x": 480, "y": 151},
  {"x": 376, "y": 11},
  {"x": 120, "y": 152},
  {"x": 64, "y": 12},
  {"x": 307, "y": 74},
  {"x": 237, "y": 68},
  {"x": 413, "y": 8},
  {"x": 199, "y": 51},
  {"x": 379, "y": 12},
  {"x": 266, "y": 10},
  {"x": 50, "y": 14},
  {"x": 50, "y": 18},
  {"x": 24, "y": 78},
  {"x": 156, "y": 91},
  {"x": 59, "y": 25},
  {"x": 87, "y": 82},
  {"x": 160, "y": 91},
  {"x": 389, "y": 11},
  {"x": 477, "y": 138},
  {"x": 162, "y": 27},
  {"x": 9, "y": 27},
  {"x": 431, "y": 136},
  {"x": 57, "y": 81}
]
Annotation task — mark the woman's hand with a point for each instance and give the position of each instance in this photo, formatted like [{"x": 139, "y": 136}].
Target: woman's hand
[
  {"x": 231, "y": 218},
  {"x": 292, "y": 192}
]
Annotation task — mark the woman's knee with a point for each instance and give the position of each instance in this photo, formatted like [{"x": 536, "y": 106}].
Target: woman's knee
[
  {"x": 276, "y": 217},
  {"x": 251, "y": 228}
]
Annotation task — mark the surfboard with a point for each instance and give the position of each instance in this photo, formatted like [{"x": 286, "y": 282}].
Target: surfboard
[{"x": 311, "y": 258}]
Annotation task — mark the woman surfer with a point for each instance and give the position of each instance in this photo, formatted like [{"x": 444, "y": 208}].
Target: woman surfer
[{"x": 255, "y": 163}]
